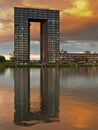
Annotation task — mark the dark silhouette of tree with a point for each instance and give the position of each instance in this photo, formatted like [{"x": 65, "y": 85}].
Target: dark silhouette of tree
[
  {"x": 2, "y": 59},
  {"x": 12, "y": 56}
]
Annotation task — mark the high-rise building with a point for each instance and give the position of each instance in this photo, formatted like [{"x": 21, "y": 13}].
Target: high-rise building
[{"x": 49, "y": 33}]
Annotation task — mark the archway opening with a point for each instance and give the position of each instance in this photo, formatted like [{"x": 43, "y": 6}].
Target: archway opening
[{"x": 35, "y": 42}]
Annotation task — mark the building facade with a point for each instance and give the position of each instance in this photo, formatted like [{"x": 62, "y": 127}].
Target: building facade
[
  {"x": 80, "y": 58},
  {"x": 49, "y": 33}
]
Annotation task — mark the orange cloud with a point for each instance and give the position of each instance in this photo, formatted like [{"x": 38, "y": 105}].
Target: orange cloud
[
  {"x": 73, "y": 27},
  {"x": 34, "y": 31},
  {"x": 81, "y": 21},
  {"x": 80, "y": 8},
  {"x": 94, "y": 6},
  {"x": 78, "y": 17}
]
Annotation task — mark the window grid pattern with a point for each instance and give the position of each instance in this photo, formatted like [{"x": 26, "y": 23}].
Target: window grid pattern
[{"x": 49, "y": 33}]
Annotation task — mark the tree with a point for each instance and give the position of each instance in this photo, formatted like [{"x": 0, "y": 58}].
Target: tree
[
  {"x": 2, "y": 59},
  {"x": 87, "y": 52},
  {"x": 12, "y": 56}
]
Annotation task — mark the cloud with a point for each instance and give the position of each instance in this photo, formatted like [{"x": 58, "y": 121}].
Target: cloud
[
  {"x": 94, "y": 6},
  {"x": 75, "y": 24},
  {"x": 10, "y": 3},
  {"x": 80, "y": 8},
  {"x": 35, "y": 31},
  {"x": 60, "y": 4},
  {"x": 78, "y": 28},
  {"x": 82, "y": 26}
]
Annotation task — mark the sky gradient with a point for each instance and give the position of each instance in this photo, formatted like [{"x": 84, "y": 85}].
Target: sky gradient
[{"x": 78, "y": 18}]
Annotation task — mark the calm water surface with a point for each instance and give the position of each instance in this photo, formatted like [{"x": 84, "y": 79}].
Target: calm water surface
[{"x": 49, "y": 99}]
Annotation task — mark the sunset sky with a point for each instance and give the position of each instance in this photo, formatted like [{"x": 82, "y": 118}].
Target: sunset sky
[{"x": 78, "y": 19}]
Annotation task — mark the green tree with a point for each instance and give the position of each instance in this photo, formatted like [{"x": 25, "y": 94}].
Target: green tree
[
  {"x": 12, "y": 56},
  {"x": 2, "y": 59}
]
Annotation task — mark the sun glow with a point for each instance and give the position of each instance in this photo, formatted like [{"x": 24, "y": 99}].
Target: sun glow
[
  {"x": 80, "y": 8},
  {"x": 81, "y": 4}
]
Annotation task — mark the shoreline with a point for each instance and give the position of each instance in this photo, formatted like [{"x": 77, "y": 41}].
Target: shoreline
[{"x": 13, "y": 65}]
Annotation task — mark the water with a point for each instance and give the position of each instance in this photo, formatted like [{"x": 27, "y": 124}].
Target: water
[{"x": 40, "y": 99}]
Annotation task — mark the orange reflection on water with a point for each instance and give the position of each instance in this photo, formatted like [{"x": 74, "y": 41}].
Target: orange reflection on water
[
  {"x": 81, "y": 116},
  {"x": 79, "y": 113},
  {"x": 6, "y": 103},
  {"x": 35, "y": 99}
]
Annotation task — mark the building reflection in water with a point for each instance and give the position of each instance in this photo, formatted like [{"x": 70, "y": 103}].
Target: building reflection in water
[{"x": 49, "y": 95}]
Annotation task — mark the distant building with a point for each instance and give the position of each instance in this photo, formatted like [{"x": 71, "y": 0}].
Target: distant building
[
  {"x": 50, "y": 33},
  {"x": 80, "y": 58}
]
